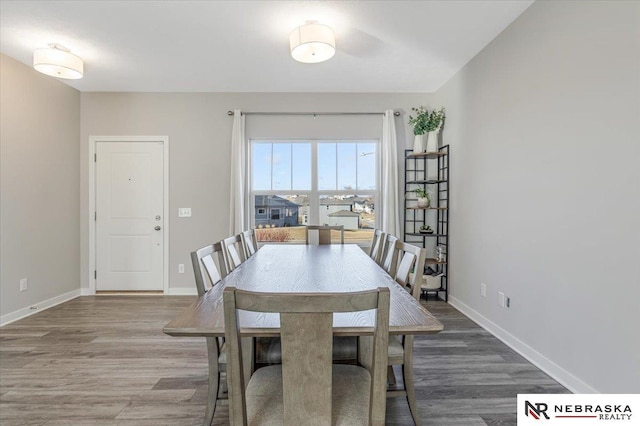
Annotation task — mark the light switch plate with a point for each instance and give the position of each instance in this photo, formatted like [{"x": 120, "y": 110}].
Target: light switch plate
[{"x": 184, "y": 212}]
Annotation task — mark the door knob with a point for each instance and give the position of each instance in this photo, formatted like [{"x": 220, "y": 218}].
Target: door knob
[{"x": 157, "y": 228}]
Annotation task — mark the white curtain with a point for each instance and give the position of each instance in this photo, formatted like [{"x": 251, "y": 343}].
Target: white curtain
[
  {"x": 390, "y": 219},
  {"x": 238, "y": 175}
]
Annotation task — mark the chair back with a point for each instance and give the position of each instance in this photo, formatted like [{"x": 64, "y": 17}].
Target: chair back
[
  {"x": 250, "y": 243},
  {"x": 306, "y": 324},
  {"x": 324, "y": 233},
  {"x": 377, "y": 242},
  {"x": 234, "y": 253},
  {"x": 389, "y": 257},
  {"x": 410, "y": 257},
  {"x": 208, "y": 267}
]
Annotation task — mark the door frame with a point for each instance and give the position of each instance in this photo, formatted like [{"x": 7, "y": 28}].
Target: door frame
[{"x": 93, "y": 140}]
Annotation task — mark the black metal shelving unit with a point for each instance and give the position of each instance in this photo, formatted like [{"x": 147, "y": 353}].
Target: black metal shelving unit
[{"x": 419, "y": 173}]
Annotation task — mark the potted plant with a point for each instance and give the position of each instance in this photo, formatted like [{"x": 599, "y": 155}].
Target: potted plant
[
  {"x": 425, "y": 128},
  {"x": 433, "y": 126},
  {"x": 426, "y": 229},
  {"x": 419, "y": 123},
  {"x": 423, "y": 197}
]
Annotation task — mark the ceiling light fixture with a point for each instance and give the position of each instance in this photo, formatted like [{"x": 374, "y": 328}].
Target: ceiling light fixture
[
  {"x": 58, "y": 61},
  {"x": 312, "y": 43}
]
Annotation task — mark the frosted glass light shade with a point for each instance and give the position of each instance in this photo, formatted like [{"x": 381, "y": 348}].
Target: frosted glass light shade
[
  {"x": 312, "y": 43},
  {"x": 57, "y": 61}
]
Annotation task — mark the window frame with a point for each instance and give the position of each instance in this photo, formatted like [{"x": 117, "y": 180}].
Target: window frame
[{"x": 314, "y": 194}]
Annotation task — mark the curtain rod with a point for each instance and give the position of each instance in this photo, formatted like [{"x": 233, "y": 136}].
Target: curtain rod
[{"x": 396, "y": 113}]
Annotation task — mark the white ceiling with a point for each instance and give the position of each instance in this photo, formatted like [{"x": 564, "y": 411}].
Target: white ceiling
[{"x": 243, "y": 46}]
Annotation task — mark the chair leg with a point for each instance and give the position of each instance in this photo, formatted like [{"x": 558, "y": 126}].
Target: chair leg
[
  {"x": 407, "y": 378},
  {"x": 214, "y": 380},
  {"x": 391, "y": 376}
]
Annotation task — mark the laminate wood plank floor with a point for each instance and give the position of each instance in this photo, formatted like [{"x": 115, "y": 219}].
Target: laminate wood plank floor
[{"x": 103, "y": 360}]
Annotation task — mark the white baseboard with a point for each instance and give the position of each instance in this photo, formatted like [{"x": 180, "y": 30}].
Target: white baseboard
[
  {"x": 182, "y": 291},
  {"x": 86, "y": 292},
  {"x": 38, "y": 307},
  {"x": 559, "y": 374}
]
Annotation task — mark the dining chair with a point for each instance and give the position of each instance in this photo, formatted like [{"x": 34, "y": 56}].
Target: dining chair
[
  {"x": 249, "y": 242},
  {"x": 307, "y": 388},
  {"x": 401, "y": 347},
  {"x": 209, "y": 268},
  {"x": 389, "y": 255},
  {"x": 234, "y": 252},
  {"x": 324, "y": 233},
  {"x": 377, "y": 243}
]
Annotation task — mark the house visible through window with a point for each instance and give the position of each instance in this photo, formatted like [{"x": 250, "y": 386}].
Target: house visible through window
[{"x": 297, "y": 183}]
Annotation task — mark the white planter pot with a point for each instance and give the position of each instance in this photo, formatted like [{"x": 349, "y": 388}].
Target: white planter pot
[
  {"x": 423, "y": 202},
  {"x": 432, "y": 141},
  {"x": 420, "y": 144}
]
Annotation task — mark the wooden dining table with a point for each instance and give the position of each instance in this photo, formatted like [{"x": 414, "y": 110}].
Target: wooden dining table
[{"x": 305, "y": 269}]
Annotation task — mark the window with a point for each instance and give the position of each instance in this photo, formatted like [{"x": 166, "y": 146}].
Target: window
[{"x": 313, "y": 182}]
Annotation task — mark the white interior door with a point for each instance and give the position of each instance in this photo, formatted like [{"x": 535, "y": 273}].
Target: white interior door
[{"x": 129, "y": 216}]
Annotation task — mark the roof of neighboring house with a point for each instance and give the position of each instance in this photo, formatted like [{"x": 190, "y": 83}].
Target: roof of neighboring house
[
  {"x": 273, "y": 201},
  {"x": 343, "y": 213},
  {"x": 335, "y": 201}
]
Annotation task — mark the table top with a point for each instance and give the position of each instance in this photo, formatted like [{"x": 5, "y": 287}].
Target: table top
[{"x": 305, "y": 269}]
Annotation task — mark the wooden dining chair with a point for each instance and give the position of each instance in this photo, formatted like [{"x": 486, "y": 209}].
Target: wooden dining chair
[
  {"x": 389, "y": 256},
  {"x": 249, "y": 242},
  {"x": 307, "y": 388},
  {"x": 209, "y": 268},
  {"x": 377, "y": 244},
  {"x": 401, "y": 347},
  {"x": 324, "y": 233},
  {"x": 234, "y": 252}
]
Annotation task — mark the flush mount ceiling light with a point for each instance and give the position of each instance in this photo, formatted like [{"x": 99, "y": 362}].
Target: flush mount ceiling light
[
  {"x": 58, "y": 61},
  {"x": 312, "y": 43}
]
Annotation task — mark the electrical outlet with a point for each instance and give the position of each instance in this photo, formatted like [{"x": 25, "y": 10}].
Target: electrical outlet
[
  {"x": 24, "y": 284},
  {"x": 501, "y": 299},
  {"x": 483, "y": 290},
  {"x": 184, "y": 212},
  {"x": 181, "y": 268}
]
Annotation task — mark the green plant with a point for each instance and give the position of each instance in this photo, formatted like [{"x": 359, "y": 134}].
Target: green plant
[
  {"x": 426, "y": 121},
  {"x": 421, "y": 193},
  {"x": 419, "y": 122}
]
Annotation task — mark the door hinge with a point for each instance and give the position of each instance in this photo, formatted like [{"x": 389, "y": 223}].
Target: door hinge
[
  {"x": 95, "y": 158},
  {"x": 95, "y": 215},
  {"x": 95, "y": 274}
]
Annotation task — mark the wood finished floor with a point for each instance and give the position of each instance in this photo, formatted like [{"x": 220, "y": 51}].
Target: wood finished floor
[{"x": 104, "y": 360}]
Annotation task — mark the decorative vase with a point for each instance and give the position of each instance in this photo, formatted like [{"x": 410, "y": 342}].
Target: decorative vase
[
  {"x": 423, "y": 202},
  {"x": 419, "y": 144},
  {"x": 432, "y": 141}
]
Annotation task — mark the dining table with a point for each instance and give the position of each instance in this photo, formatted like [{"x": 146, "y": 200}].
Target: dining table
[{"x": 297, "y": 268}]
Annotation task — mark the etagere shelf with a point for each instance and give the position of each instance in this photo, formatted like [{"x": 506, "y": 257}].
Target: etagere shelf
[{"x": 429, "y": 171}]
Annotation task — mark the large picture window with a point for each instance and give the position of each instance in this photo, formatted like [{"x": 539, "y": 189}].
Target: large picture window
[{"x": 298, "y": 183}]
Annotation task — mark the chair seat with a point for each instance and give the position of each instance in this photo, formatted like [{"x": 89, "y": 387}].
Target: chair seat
[
  {"x": 268, "y": 349},
  {"x": 350, "y": 397}
]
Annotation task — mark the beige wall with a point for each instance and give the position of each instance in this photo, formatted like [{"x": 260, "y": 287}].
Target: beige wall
[
  {"x": 40, "y": 186},
  {"x": 545, "y": 140},
  {"x": 199, "y": 131}
]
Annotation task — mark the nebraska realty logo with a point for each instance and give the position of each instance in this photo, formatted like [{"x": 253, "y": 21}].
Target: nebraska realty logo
[{"x": 571, "y": 409}]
